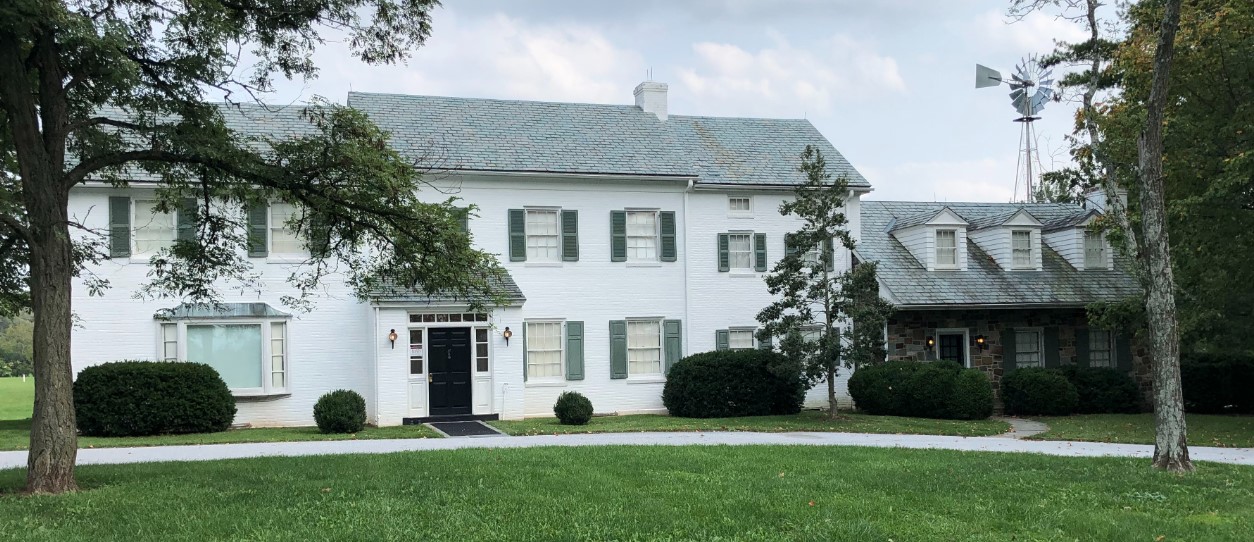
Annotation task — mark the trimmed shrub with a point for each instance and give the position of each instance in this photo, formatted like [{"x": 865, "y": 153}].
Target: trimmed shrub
[
  {"x": 973, "y": 396},
  {"x": 1038, "y": 391},
  {"x": 340, "y": 411},
  {"x": 1217, "y": 383},
  {"x": 136, "y": 398},
  {"x": 733, "y": 383},
  {"x": 572, "y": 408},
  {"x": 876, "y": 389},
  {"x": 941, "y": 389},
  {"x": 1103, "y": 390}
]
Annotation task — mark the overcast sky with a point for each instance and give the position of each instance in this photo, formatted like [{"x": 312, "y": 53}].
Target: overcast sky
[{"x": 889, "y": 82}]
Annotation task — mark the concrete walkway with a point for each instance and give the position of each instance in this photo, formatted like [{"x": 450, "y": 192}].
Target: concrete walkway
[
  {"x": 96, "y": 456},
  {"x": 1022, "y": 428}
]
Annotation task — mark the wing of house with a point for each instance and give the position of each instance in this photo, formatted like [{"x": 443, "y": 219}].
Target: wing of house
[
  {"x": 997, "y": 286},
  {"x": 632, "y": 237}
]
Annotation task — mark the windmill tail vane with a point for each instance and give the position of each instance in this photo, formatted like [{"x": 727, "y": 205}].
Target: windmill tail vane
[{"x": 1031, "y": 86}]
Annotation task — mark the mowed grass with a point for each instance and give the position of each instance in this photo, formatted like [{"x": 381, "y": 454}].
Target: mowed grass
[
  {"x": 17, "y": 398},
  {"x": 643, "y": 493},
  {"x": 1204, "y": 429},
  {"x": 805, "y": 421}
]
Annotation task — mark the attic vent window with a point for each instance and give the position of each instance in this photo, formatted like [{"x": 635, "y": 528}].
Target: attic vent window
[
  {"x": 946, "y": 248},
  {"x": 1021, "y": 245},
  {"x": 739, "y": 204}
]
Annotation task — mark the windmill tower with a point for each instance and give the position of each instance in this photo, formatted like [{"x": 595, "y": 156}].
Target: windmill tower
[{"x": 1031, "y": 86}]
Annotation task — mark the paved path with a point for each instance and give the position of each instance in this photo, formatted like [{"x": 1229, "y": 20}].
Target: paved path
[
  {"x": 1022, "y": 428},
  {"x": 1240, "y": 456}
]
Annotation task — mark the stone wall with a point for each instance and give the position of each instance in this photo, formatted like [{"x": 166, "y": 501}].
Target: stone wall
[{"x": 908, "y": 331}]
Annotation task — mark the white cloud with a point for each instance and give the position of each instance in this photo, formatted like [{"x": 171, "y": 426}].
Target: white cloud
[
  {"x": 784, "y": 80},
  {"x": 1034, "y": 34},
  {"x": 984, "y": 179}
]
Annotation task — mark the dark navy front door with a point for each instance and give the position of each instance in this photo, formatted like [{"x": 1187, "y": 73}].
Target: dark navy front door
[{"x": 449, "y": 370}]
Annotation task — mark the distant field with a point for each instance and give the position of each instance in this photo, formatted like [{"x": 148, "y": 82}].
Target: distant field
[{"x": 17, "y": 398}]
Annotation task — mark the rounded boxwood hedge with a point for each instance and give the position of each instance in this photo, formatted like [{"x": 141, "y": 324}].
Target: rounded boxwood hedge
[
  {"x": 1036, "y": 391},
  {"x": 733, "y": 383},
  {"x": 1103, "y": 390},
  {"x": 941, "y": 389},
  {"x": 340, "y": 411},
  {"x": 572, "y": 408},
  {"x": 136, "y": 398}
]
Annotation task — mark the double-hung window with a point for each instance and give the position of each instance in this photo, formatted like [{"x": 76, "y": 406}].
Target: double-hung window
[
  {"x": 284, "y": 239},
  {"x": 1021, "y": 249},
  {"x": 947, "y": 248},
  {"x": 642, "y": 236},
  {"x": 544, "y": 350},
  {"x": 1100, "y": 352},
  {"x": 740, "y": 339},
  {"x": 153, "y": 230},
  {"x": 1028, "y": 348},
  {"x": 250, "y": 356},
  {"x": 1094, "y": 250},
  {"x": 740, "y": 251},
  {"x": 543, "y": 236},
  {"x": 644, "y": 347}
]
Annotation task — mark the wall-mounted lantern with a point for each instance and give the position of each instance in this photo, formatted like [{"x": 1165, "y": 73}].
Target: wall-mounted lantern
[
  {"x": 392, "y": 338},
  {"x": 981, "y": 342},
  {"x": 507, "y": 334},
  {"x": 930, "y": 342}
]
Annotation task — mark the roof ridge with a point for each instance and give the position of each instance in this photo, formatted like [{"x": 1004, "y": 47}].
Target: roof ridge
[{"x": 475, "y": 99}]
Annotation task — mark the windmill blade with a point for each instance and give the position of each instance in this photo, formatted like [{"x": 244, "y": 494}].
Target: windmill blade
[
  {"x": 986, "y": 77},
  {"x": 1017, "y": 93}
]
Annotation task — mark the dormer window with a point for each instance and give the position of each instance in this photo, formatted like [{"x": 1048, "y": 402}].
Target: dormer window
[
  {"x": 1094, "y": 250},
  {"x": 1021, "y": 248},
  {"x": 946, "y": 248}
]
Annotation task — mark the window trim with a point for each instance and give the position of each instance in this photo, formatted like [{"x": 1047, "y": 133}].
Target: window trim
[
  {"x": 661, "y": 350},
  {"x": 936, "y": 248},
  {"x": 266, "y": 324},
  {"x": 556, "y": 261},
  {"x": 1105, "y": 258},
  {"x": 966, "y": 342},
  {"x": 1040, "y": 344},
  {"x": 657, "y": 235},
  {"x": 561, "y": 349},
  {"x": 1031, "y": 262}
]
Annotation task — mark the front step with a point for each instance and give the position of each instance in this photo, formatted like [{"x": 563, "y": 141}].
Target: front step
[{"x": 457, "y": 418}]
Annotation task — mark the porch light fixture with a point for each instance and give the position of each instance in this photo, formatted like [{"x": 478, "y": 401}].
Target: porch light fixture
[
  {"x": 392, "y": 338},
  {"x": 507, "y": 334},
  {"x": 930, "y": 342},
  {"x": 981, "y": 342}
]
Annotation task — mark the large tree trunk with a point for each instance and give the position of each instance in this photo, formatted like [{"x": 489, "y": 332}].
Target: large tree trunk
[
  {"x": 831, "y": 394},
  {"x": 53, "y": 435},
  {"x": 1170, "y": 449}
]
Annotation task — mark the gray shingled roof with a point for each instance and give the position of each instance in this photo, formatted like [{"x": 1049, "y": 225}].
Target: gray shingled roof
[
  {"x": 220, "y": 310},
  {"x": 523, "y": 136},
  {"x": 903, "y": 222},
  {"x": 984, "y": 282},
  {"x": 1068, "y": 221},
  {"x": 397, "y": 294}
]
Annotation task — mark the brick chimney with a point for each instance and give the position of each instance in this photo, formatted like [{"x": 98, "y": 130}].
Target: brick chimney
[{"x": 651, "y": 97}]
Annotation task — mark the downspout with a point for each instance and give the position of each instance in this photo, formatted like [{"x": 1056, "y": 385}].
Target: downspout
[
  {"x": 691, "y": 184},
  {"x": 374, "y": 371}
]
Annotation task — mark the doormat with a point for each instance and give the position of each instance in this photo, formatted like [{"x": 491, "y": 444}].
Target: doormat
[{"x": 465, "y": 429}]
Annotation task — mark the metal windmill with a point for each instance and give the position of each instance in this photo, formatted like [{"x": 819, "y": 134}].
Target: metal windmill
[{"x": 1031, "y": 86}]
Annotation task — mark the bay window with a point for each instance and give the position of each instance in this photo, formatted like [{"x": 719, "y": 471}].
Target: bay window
[{"x": 250, "y": 355}]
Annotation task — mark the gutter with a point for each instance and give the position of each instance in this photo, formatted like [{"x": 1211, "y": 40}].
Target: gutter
[{"x": 940, "y": 306}]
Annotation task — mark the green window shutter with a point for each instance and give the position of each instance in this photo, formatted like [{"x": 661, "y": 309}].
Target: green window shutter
[
  {"x": 618, "y": 236},
  {"x": 1008, "y": 350},
  {"x": 119, "y": 227},
  {"x": 463, "y": 214},
  {"x": 1123, "y": 353},
  {"x": 830, "y": 254},
  {"x": 759, "y": 252},
  {"x": 258, "y": 230},
  {"x": 765, "y": 344},
  {"x": 722, "y": 339},
  {"x": 319, "y": 235},
  {"x": 574, "y": 350},
  {"x": 666, "y": 223},
  {"x": 1051, "y": 352},
  {"x": 187, "y": 219},
  {"x": 790, "y": 247},
  {"x": 1082, "y": 346},
  {"x": 570, "y": 236},
  {"x": 618, "y": 349},
  {"x": 724, "y": 263},
  {"x": 517, "y": 235},
  {"x": 524, "y": 339},
  {"x": 673, "y": 345}
]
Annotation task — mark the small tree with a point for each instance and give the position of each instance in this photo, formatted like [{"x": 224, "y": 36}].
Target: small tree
[{"x": 813, "y": 295}]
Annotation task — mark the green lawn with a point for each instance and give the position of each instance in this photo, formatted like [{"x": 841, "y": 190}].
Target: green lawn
[
  {"x": 805, "y": 421},
  {"x": 1204, "y": 429},
  {"x": 643, "y": 493},
  {"x": 17, "y": 398}
]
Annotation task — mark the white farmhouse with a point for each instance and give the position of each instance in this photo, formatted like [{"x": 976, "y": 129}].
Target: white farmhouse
[{"x": 633, "y": 237}]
